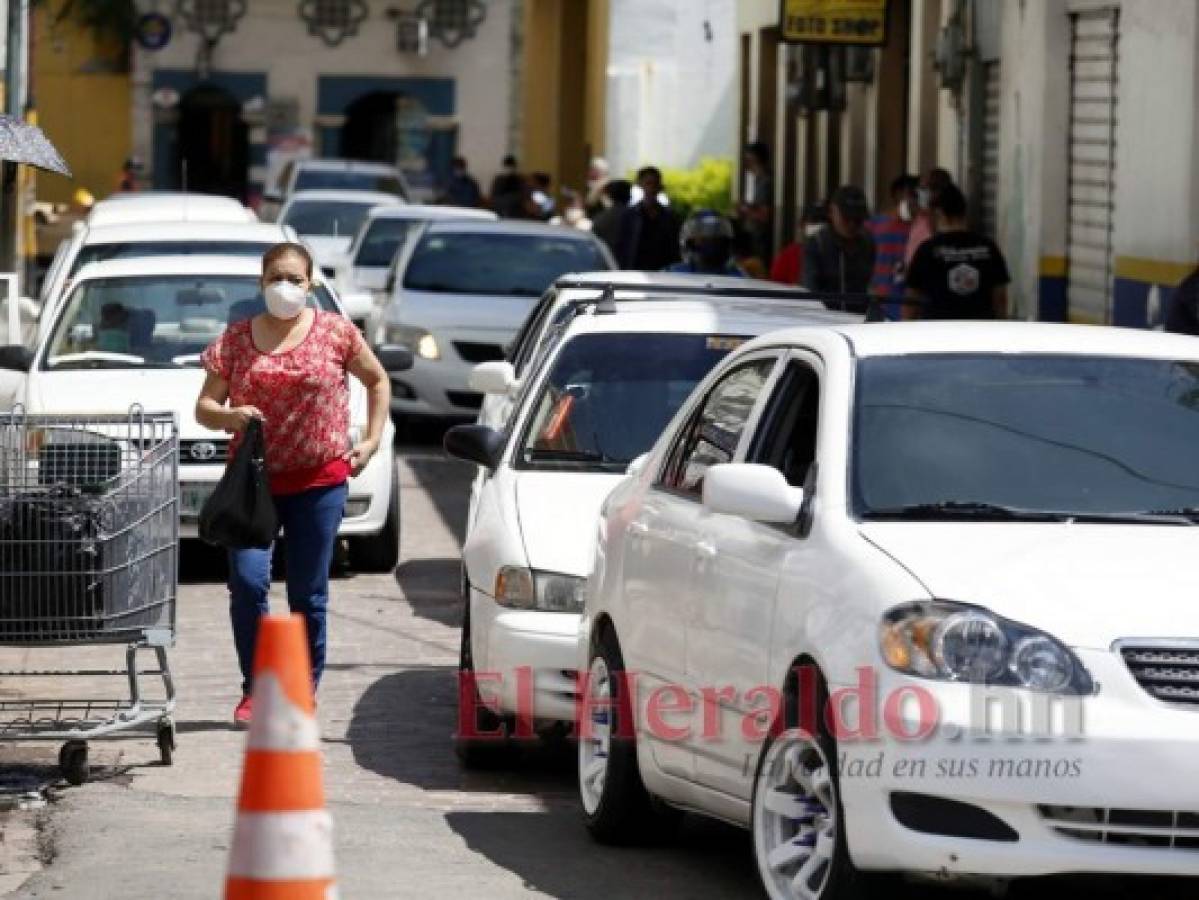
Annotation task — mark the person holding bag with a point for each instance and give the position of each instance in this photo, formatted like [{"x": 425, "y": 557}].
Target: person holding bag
[{"x": 286, "y": 368}]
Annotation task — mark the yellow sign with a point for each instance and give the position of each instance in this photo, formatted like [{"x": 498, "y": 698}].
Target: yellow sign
[{"x": 834, "y": 21}]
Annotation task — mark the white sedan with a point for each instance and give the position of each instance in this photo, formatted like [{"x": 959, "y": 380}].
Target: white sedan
[
  {"x": 327, "y": 220},
  {"x": 911, "y": 597},
  {"x": 616, "y": 374},
  {"x": 131, "y": 332}
]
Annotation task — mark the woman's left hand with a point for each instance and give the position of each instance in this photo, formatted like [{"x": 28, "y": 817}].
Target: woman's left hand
[{"x": 361, "y": 455}]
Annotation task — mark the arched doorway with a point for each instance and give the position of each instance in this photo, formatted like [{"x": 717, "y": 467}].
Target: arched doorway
[
  {"x": 369, "y": 132},
  {"x": 214, "y": 143}
]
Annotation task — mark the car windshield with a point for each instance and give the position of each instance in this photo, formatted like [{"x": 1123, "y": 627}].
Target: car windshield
[
  {"x": 521, "y": 265},
  {"x": 381, "y": 241},
  {"x": 317, "y": 179},
  {"x": 608, "y": 397},
  {"x": 1000, "y": 436},
  {"x": 142, "y": 249},
  {"x": 334, "y": 218},
  {"x": 153, "y": 322}
]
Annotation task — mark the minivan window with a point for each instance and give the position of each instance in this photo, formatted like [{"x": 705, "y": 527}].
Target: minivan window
[
  {"x": 991, "y": 435},
  {"x": 382, "y": 241},
  {"x": 317, "y": 179},
  {"x": 329, "y": 218},
  {"x": 521, "y": 265}
]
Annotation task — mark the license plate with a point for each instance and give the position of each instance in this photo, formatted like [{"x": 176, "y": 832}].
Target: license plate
[{"x": 192, "y": 498}]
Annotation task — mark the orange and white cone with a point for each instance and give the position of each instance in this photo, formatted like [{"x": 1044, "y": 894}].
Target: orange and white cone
[{"x": 283, "y": 839}]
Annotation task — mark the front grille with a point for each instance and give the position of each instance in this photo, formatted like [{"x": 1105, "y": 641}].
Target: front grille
[
  {"x": 1169, "y": 829},
  {"x": 478, "y": 353},
  {"x": 465, "y": 399},
  {"x": 204, "y": 452},
  {"x": 1169, "y": 673}
]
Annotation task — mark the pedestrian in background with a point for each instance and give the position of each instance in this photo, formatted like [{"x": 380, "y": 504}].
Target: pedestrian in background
[
  {"x": 890, "y": 231},
  {"x": 839, "y": 258},
  {"x": 573, "y": 213},
  {"x": 757, "y": 215},
  {"x": 614, "y": 202},
  {"x": 706, "y": 245},
  {"x": 1183, "y": 314},
  {"x": 928, "y": 197},
  {"x": 597, "y": 180},
  {"x": 130, "y": 171},
  {"x": 787, "y": 266},
  {"x": 508, "y": 191},
  {"x": 649, "y": 239},
  {"x": 540, "y": 198},
  {"x": 287, "y": 366},
  {"x": 957, "y": 273},
  {"x": 461, "y": 189}
]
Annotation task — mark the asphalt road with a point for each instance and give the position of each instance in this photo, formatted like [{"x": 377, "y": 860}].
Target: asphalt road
[{"x": 409, "y": 822}]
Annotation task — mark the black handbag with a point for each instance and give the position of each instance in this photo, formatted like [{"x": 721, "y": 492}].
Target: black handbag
[{"x": 240, "y": 513}]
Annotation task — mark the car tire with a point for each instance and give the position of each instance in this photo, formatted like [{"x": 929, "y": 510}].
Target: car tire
[
  {"x": 797, "y": 820},
  {"x": 380, "y": 552},
  {"x": 616, "y": 805},
  {"x": 477, "y": 752}
]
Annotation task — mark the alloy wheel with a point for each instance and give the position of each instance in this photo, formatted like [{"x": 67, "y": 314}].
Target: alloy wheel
[
  {"x": 795, "y": 818},
  {"x": 594, "y": 748}
]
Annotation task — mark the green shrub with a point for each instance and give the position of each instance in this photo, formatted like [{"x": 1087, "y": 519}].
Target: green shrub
[{"x": 708, "y": 186}]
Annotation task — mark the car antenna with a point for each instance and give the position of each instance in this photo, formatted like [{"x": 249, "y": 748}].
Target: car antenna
[{"x": 606, "y": 305}]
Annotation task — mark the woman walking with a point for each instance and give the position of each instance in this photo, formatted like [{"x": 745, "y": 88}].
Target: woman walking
[{"x": 287, "y": 367}]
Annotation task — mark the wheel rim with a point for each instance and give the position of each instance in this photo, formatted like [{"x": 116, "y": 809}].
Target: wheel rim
[
  {"x": 595, "y": 747},
  {"x": 795, "y": 818}
]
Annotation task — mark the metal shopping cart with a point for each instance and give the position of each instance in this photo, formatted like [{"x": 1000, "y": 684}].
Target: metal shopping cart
[{"x": 89, "y": 537}]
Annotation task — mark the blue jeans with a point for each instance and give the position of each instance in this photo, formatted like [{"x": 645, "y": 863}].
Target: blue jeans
[{"x": 309, "y": 521}]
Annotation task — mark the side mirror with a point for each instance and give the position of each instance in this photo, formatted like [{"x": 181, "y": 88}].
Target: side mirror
[
  {"x": 752, "y": 491},
  {"x": 16, "y": 358},
  {"x": 394, "y": 358},
  {"x": 475, "y": 443},
  {"x": 357, "y": 306},
  {"x": 497, "y": 377}
]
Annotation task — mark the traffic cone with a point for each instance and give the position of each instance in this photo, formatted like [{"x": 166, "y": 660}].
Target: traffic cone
[{"x": 283, "y": 839}]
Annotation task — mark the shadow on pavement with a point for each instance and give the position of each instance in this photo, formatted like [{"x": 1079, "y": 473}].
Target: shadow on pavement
[
  {"x": 553, "y": 854},
  {"x": 431, "y": 587},
  {"x": 402, "y": 727},
  {"x": 447, "y": 484}
]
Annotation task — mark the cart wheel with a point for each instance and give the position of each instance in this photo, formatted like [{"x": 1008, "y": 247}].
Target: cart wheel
[
  {"x": 166, "y": 741},
  {"x": 72, "y": 759}
]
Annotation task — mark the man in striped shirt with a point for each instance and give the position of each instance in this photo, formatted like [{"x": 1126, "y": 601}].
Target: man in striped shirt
[{"x": 890, "y": 231}]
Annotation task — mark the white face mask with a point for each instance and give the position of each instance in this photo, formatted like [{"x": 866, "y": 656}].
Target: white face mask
[
  {"x": 905, "y": 210},
  {"x": 285, "y": 300}
]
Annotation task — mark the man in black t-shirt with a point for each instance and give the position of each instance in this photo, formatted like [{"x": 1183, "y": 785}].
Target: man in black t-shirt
[{"x": 957, "y": 273}]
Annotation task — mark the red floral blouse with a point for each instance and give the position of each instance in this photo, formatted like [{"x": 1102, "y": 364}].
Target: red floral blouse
[{"x": 303, "y": 395}]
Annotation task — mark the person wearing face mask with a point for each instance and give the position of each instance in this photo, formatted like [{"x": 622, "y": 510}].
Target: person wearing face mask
[
  {"x": 287, "y": 367},
  {"x": 839, "y": 258},
  {"x": 890, "y": 232},
  {"x": 928, "y": 199}
]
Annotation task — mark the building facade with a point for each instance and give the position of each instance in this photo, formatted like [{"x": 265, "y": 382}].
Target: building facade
[
  {"x": 1071, "y": 124},
  {"x": 225, "y": 93}
]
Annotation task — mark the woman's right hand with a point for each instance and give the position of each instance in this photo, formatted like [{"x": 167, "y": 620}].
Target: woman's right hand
[{"x": 237, "y": 418}]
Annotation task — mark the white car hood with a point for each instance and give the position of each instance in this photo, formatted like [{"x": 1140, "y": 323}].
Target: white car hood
[
  {"x": 157, "y": 390},
  {"x": 1087, "y": 585},
  {"x": 559, "y": 514},
  {"x": 329, "y": 250}
]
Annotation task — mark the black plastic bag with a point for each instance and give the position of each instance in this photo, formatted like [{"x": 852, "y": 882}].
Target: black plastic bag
[{"x": 240, "y": 513}]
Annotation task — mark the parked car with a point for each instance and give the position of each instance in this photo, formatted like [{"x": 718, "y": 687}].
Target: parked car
[
  {"x": 167, "y": 206},
  {"x": 977, "y": 528},
  {"x": 333, "y": 174},
  {"x": 462, "y": 290},
  {"x": 366, "y": 265},
  {"x": 131, "y": 332},
  {"x": 612, "y": 376},
  {"x": 327, "y": 220},
  {"x": 557, "y": 305}
]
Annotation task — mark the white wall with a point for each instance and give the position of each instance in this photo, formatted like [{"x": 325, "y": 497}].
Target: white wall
[
  {"x": 672, "y": 91},
  {"x": 272, "y": 38}
]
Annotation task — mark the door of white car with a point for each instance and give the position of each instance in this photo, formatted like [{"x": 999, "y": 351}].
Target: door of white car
[
  {"x": 729, "y": 629},
  {"x": 662, "y": 552}
]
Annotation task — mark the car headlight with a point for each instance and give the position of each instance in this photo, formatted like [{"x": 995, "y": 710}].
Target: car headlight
[
  {"x": 520, "y": 588},
  {"x": 418, "y": 340},
  {"x": 957, "y": 642}
]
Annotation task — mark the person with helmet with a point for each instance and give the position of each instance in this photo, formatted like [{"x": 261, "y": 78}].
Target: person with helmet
[{"x": 706, "y": 243}]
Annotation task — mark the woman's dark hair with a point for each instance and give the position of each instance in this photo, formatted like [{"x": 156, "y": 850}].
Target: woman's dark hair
[
  {"x": 278, "y": 251},
  {"x": 953, "y": 202}
]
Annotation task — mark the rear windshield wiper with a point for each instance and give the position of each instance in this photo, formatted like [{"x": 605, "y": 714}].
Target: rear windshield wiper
[{"x": 997, "y": 512}]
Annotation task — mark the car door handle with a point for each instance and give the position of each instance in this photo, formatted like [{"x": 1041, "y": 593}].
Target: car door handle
[{"x": 705, "y": 549}]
